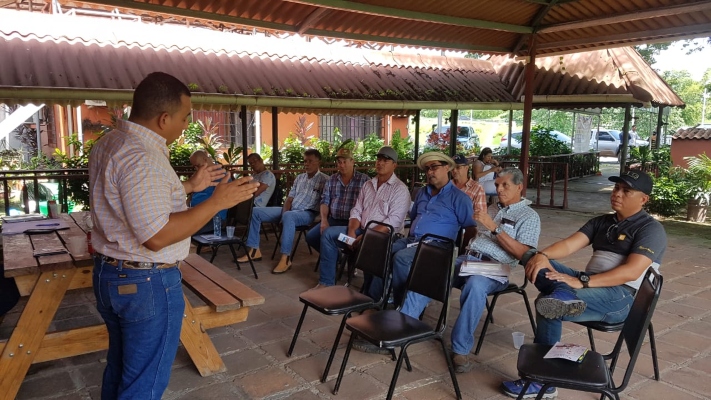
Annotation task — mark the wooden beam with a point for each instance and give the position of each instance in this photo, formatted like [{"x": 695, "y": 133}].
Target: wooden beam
[
  {"x": 362, "y": 8},
  {"x": 534, "y": 24},
  {"x": 627, "y": 17},
  {"x": 311, "y": 20},
  {"x": 631, "y": 38}
]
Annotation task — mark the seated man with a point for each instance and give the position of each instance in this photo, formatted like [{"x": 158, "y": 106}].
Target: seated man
[
  {"x": 441, "y": 209},
  {"x": 472, "y": 188},
  {"x": 265, "y": 177},
  {"x": 513, "y": 231},
  {"x": 384, "y": 199},
  {"x": 300, "y": 208},
  {"x": 197, "y": 160},
  {"x": 625, "y": 244},
  {"x": 339, "y": 196}
]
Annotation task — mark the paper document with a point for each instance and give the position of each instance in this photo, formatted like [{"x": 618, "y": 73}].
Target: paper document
[
  {"x": 567, "y": 351},
  {"x": 48, "y": 225},
  {"x": 484, "y": 268}
]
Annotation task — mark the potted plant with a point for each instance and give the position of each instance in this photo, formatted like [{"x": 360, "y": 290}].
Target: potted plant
[{"x": 698, "y": 177}]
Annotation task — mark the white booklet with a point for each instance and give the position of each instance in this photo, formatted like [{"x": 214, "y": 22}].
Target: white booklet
[
  {"x": 485, "y": 268},
  {"x": 567, "y": 351}
]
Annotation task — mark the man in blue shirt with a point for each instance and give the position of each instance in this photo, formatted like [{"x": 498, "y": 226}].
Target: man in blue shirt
[
  {"x": 198, "y": 159},
  {"x": 440, "y": 208}
]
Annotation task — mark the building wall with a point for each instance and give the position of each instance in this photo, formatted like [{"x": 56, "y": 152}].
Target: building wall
[
  {"x": 681, "y": 148},
  {"x": 287, "y": 124}
]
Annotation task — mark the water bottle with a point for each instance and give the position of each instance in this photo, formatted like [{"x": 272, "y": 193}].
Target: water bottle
[{"x": 217, "y": 225}]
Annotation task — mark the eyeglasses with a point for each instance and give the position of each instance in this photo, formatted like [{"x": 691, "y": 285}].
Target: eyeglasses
[
  {"x": 433, "y": 167},
  {"x": 611, "y": 234}
]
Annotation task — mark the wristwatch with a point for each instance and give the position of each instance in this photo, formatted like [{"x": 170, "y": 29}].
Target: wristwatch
[
  {"x": 497, "y": 230},
  {"x": 584, "y": 279}
]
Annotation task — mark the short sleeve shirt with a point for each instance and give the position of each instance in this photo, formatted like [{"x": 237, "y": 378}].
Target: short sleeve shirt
[
  {"x": 307, "y": 191},
  {"x": 441, "y": 214},
  {"x": 340, "y": 198},
  {"x": 266, "y": 177}
]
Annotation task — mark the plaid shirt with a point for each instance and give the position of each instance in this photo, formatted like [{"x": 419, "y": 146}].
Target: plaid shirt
[
  {"x": 340, "y": 198},
  {"x": 476, "y": 193},
  {"x": 307, "y": 191},
  {"x": 133, "y": 191}
]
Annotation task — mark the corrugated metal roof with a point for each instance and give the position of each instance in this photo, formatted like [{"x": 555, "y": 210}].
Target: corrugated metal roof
[
  {"x": 607, "y": 71},
  {"x": 693, "y": 133},
  {"x": 500, "y": 26}
]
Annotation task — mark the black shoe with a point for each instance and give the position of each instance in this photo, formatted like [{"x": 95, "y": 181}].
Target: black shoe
[{"x": 367, "y": 347}]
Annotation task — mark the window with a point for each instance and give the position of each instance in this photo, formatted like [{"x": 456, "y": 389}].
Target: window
[
  {"x": 351, "y": 127},
  {"x": 227, "y": 125}
]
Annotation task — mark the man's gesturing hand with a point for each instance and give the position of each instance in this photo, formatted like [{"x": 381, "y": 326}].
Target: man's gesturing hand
[
  {"x": 228, "y": 194},
  {"x": 205, "y": 176}
]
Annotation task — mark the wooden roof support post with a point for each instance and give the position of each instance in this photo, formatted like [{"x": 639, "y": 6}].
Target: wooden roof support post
[
  {"x": 660, "y": 123},
  {"x": 275, "y": 138},
  {"x": 245, "y": 142},
  {"x": 624, "y": 150},
  {"x": 453, "y": 121},
  {"x": 527, "y": 110},
  {"x": 417, "y": 134}
]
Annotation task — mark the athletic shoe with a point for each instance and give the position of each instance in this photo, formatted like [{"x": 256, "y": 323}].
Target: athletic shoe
[
  {"x": 560, "y": 303},
  {"x": 514, "y": 388}
]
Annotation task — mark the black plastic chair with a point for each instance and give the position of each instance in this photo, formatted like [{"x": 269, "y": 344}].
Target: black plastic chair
[
  {"x": 373, "y": 258},
  {"x": 431, "y": 276},
  {"x": 276, "y": 200},
  {"x": 239, "y": 215},
  {"x": 592, "y": 374},
  {"x": 511, "y": 288},
  {"x": 605, "y": 327}
]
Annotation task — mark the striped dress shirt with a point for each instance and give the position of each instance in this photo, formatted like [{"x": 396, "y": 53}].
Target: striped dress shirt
[
  {"x": 388, "y": 203},
  {"x": 133, "y": 191}
]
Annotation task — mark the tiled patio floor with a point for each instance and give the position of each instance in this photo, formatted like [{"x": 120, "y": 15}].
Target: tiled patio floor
[{"x": 255, "y": 351}]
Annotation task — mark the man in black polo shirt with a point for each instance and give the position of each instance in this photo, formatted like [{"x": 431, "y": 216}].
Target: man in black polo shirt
[{"x": 624, "y": 243}]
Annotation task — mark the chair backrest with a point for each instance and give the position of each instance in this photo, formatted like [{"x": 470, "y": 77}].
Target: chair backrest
[
  {"x": 431, "y": 272},
  {"x": 374, "y": 254},
  {"x": 638, "y": 319},
  {"x": 240, "y": 216},
  {"x": 277, "y": 195}
]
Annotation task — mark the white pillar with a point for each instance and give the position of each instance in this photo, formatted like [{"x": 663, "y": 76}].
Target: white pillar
[{"x": 257, "y": 131}]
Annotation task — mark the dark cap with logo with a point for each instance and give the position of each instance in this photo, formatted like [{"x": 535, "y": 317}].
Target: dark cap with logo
[
  {"x": 460, "y": 159},
  {"x": 636, "y": 180}
]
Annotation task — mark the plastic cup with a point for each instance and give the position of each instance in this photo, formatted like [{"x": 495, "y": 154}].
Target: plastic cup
[
  {"x": 230, "y": 232},
  {"x": 77, "y": 245},
  {"x": 518, "y": 339}
]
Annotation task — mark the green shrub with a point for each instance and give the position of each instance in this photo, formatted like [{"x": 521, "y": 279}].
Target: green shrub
[{"x": 669, "y": 194}]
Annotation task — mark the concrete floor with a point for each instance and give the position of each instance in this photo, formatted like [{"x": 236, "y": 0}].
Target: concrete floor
[{"x": 255, "y": 351}]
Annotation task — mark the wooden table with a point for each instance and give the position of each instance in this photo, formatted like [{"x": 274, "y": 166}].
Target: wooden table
[{"x": 46, "y": 279}]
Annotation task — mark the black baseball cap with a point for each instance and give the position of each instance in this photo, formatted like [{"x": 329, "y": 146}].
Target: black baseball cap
[
  {"x": 460, "y": 159},
  {"x": 636, "y": 179}
]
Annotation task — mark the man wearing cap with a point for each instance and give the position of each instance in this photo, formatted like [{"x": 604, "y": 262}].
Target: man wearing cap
[
  {"x": 385, "y": 198},
  {"x": 472, "y": 188},
  {"x": 440, "y": 208},
  {"x": 339, "y": 196},
  {"x": 625, "y": 244},
  {"x": 503, "y": 239}
]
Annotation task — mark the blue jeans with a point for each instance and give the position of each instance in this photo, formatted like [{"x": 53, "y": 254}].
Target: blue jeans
[
  {"x": 143, "y": 311},
  {"x": 475, "y": 289},
  {"x": 313, "y": 236},
  {"x": 329, "y": 253},
  {"x": 402, "y": 257},
  {"x": 606, "y": 304},
  {"x": 289, "y": 221}
]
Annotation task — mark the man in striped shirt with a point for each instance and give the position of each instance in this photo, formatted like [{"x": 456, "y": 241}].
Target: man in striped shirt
[
  {"x": 300, "y": 208},
  {"x": 472, "y": 188},
  {"x": 142, "y": 230}
]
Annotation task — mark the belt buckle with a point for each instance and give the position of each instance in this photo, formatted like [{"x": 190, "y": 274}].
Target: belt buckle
[{"x": 144, "y": 265}]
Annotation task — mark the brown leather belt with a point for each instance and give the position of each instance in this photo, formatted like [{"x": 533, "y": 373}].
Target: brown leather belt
[{"x": 136, "y": 264}]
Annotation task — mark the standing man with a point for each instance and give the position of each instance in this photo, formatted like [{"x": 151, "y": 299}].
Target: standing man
[
  {"x": 503, "y": 239},
  {"x": 265, "y": 177},
  {"x": 200, "y": 159},
  {"x": 625, "y": 244},
  {"x": 142, "y": 231},
  {"x": 472, "y": 188},
  {"x": 300, "y": 208},
  {"x": 384, "y": 198},
  {"x": 339, "y": 196}
]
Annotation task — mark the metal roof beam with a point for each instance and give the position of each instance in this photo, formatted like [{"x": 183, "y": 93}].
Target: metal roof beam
[
  {"x": 344, "y": 5},
  {"x": 407, "y": 42},
  {"x": 311, "y": 20},
  {"x": 534, "y": 24},
  {"x": 627, "y": 17},
  {"x": 628, "y": 39}
]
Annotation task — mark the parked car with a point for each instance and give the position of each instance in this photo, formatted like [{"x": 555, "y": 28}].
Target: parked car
[
  {"x": 466, "y": 135},
  {"x": 516, "y": 139},
  {"x": 609, "y": 142}
]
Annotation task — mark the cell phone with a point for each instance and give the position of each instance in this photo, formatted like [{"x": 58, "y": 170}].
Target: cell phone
[{"x": 346, "y": 239}]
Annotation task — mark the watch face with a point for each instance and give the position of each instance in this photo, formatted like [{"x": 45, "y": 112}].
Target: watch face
[{"x": 584, "y": 278}]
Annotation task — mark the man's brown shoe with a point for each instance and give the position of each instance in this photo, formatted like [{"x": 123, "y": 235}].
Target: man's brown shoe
[
  {"x": 461, "y": 363},
  {"x": 254, "y": 253},
  {"x": 283, "y": 266}
]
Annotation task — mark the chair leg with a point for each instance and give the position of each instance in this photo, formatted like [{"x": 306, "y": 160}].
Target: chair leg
[
  {"x": 407, "y": 363},
  {"x": 524, "y": 389},
  {"x": 278, "y": 240},
  {"x": 318, "y": 262},
  {"x": 489, "y": 311},
  {"x": 234, "y": 256},
  {"x": 489, "y": 314},
  {"x": 293, "y": 249},
  {"x": 396, "y": 374},
  {"x": 344, "y": 362},
  {"x": 296, "y": 332},
  {"x": 450, "y": 366},
  {"x": 592, "y": 340},
  {"x": 198, "y": 249},
  {"x": 335, "y": 346},
  {"x": 214, "y": 252},
  {"x": 653, "y": 347},
  {"x": 528, "y": 308}
]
